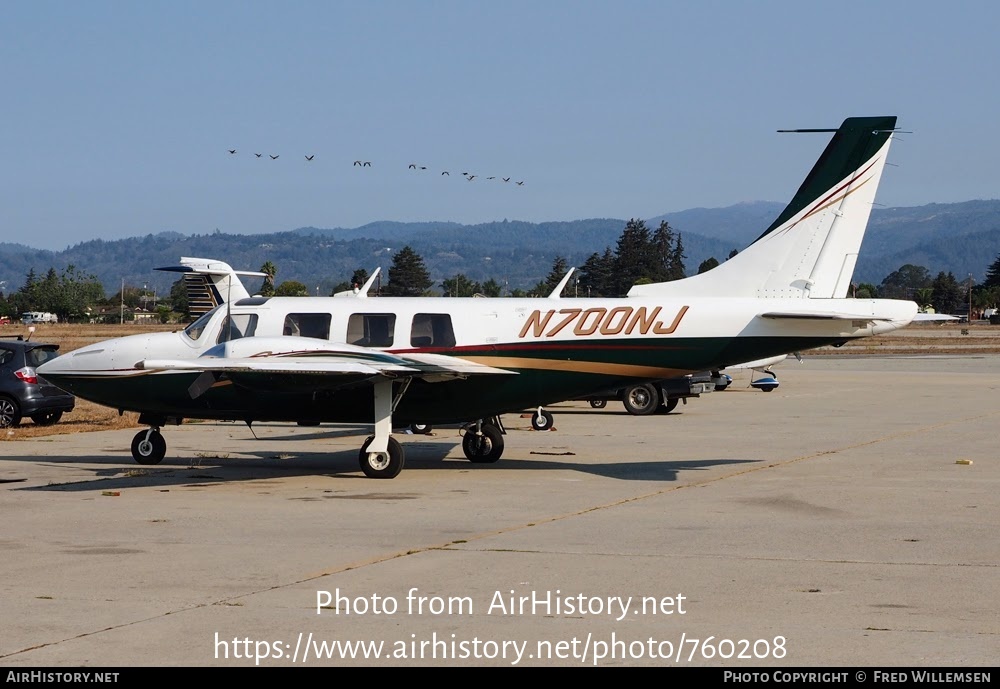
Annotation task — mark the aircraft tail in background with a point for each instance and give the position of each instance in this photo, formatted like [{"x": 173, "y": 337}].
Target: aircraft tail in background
[
  {"x": 210, "y": 283},
  {"x": 810, "y": 250}
]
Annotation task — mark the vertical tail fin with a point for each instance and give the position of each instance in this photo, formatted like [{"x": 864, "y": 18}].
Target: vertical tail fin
[
  {"x": 811, "y": 248},
  {"x": 210, "y": 283}
]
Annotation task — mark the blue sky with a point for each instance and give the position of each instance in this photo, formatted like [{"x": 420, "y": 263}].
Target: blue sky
[{"x": 116, "y": 117}]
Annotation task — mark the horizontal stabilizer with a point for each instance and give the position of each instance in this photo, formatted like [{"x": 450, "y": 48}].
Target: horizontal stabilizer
[
  {"x": 935, "y": 317},
  {"x": 824, "y": 316}
]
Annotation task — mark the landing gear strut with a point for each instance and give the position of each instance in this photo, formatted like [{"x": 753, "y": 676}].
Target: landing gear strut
[{"x": 382, "y": 456}]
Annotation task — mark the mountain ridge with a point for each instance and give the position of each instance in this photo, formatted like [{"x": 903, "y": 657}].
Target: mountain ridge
[{"x": 518, "y": 253}]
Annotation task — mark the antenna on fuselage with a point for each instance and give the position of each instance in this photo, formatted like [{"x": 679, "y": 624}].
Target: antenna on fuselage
[
  {"x": 228, "y": 323},
  {"x": 557, "y": 292}
]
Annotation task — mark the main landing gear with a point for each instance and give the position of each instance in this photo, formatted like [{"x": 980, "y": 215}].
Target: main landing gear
[
  {"x": 381, "y": 455},
  {"x": 482, "y": 441}
]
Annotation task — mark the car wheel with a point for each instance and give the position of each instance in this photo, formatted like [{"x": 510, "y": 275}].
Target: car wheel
[
  {"x": 10, "y": 413},
  {"x": 640, "y": 400},
  {"x": 47, "y": 418}
]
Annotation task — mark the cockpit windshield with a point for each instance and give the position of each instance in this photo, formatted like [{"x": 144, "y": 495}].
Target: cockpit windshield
[{"x": 195, "y": 330}]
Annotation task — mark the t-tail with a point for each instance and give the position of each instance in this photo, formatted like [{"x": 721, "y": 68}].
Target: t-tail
[
  {"x": 810, "y": 250},
  {"x": 210, "y": 283}
]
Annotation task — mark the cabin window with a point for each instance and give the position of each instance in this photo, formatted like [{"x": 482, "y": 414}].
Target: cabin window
[
  {"x": 236, "y": 326},
  {"x": 432, "y": 330},
  {"x": 371, "y": 329},
  {"x": 308, "y": 325},
  {"x": 195, "y": 330}
]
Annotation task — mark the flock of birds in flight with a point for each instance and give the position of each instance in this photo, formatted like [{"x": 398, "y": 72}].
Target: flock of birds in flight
[{"x": 367, "y": 163}]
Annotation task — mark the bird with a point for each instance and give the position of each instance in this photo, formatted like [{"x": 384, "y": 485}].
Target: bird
[
  {"x": 310, "y": 157},
  {"x": 491, "y": 178},
  {"x": 274, "y": 157},
  {"x": 232, "y": 150},
  {"x": 258, "y": 154},
  {"x": 412, "y": 166},
  {"x": 357, "y": 162},
  {"x": 445, "y": 173},
  {"x": 471, "y": 177},
  {"x": 520, "y": 183},
  {"x": 506, "y": 179},
  {"x": 366, "y": 163}
]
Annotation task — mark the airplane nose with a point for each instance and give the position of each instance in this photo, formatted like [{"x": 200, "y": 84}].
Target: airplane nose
[
  {"x": 71, "y": 362},
  {"x": 86, "y": 359}
]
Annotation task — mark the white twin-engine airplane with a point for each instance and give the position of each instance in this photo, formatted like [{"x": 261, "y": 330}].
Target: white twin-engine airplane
[{"x": 397, "y": 361}]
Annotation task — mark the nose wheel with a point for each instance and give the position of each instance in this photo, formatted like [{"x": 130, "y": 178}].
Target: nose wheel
[
  {"x": 149, "y": 447},
  {"x": 542, "y": 420}
]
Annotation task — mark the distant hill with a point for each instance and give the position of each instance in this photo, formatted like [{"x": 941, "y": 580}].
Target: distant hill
[{"x": 961, "y": 238}]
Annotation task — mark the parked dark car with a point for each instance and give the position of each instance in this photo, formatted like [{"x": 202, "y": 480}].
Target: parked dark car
[{"x": 23, "y": 393}]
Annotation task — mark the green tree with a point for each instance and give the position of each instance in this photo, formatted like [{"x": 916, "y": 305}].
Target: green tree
[
  {"x": 291, "y": 288},
  {"x": 270, "y": 272},
  {"x": 179, "y": 299},
  {"x": 664, "y": 246},
  {"x": 408, "y": 276},
  {"x": 75, "y": 293},
  {"x": 491, "y": 288},
  {"x": 556, "y": 274},
  {"x": 924, "y": 296},
  {"x": 359, "y": 277},
  {"x": 459, "y": 286},
  {"x": 866, "y": 290},
  {"x": 707, "y": 264},
  {"x": 676, "y": 270},
  {"x": 993, "y": 274},
  {"x": 634, "y": 258},
  {"x": 597, "y": 275},
  {"x": 900, "y": 284},
  {"x": 946, "y": 294}
]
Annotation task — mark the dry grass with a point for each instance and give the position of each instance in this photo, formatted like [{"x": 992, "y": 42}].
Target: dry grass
[{"x": 87, "y": 416}]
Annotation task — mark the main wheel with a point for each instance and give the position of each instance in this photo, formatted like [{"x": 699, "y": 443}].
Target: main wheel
[
  {"x": 598, "y": 404},
  {"x": 542, "y": 420},
  {"x": 151, "y": 450},
  {"x": 379, "y": 466},
  {"x": 640, "y": 400},
  {"x": 48, "y": 418},
  {"x": 10, "y": 413},
  {"x": 420, "y": 428},
  {"x": 484, "y": 448}
]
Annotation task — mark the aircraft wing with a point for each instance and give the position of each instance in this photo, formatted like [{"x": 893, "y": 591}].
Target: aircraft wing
[
  {"x": 290, "y": 365},
  {"x": 297, "y": 356},
  {"x": 419, "y": 365}
]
